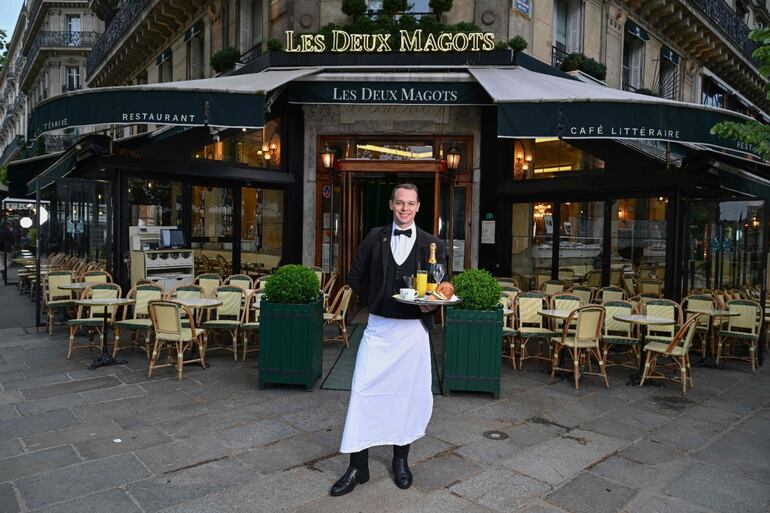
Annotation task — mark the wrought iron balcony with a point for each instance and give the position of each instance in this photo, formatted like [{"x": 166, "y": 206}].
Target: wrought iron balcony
[
  {"x": 251, "y": 54},
  {"x": 724, "y": 17},
  {"x": 10, "y": 149},
  {"x": 59, "y": 40},
  {"x": 120, "y": 24},
  {"x": 557, "y": 56}
]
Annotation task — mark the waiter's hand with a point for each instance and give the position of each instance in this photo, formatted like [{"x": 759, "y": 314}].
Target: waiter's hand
[{"x": 428, "y": 308}]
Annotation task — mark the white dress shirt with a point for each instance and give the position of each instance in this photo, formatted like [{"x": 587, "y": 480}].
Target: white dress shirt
[{"x": 401, "y": 245}]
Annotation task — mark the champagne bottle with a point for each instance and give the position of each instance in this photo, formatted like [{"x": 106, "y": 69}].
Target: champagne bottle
[{"x": 431, "y": 266}]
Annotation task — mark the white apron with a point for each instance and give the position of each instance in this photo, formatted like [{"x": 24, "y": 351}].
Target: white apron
[{"x": 391, "y": 399}]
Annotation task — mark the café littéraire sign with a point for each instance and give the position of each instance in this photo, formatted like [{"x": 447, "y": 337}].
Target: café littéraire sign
[{"x": 408, "y": 41}]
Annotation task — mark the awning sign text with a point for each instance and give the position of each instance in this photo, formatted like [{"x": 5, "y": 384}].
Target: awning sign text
[{"x": 408, "y": 41}]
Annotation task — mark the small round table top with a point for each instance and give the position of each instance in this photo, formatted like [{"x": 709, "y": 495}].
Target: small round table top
[
  {"x": 199, "y": 302},
  {"x": 644, "y": 319},
  {"x": 713, "y": 313},
  {"x": 105, "y": 301},
  {"x": 79, "y": 285},
  {"x": 556, "y": 314}
]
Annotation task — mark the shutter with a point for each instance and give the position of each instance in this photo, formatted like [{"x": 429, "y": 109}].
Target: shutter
[
  {"x": 196, "y": 49},
  {"x": 635, "y": 71},
  {"x": 574, "y": 25},
  {"x": 244, "y": 23}
]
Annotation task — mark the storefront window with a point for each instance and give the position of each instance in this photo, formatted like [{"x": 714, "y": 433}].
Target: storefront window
[
  {"x": 261, "y": 229},
  {"x": 254, "y": 148},
  {"x": 154, "y": 202},
  {"x": 581, "y": 233},
  {"x": 532, "y": 240},
  {"x": 725, "y": 246},
  {"x": 394, "y": 150},
  {"x": 212, "y": 228},
  {"x": 638, "y": 235},
  {"x": 550, "y": 157}
]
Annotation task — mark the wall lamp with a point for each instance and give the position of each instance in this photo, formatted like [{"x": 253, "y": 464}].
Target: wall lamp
[{"x": 327, "y": 157}]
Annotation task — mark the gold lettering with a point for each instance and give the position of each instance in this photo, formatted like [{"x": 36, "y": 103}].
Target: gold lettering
[
  {"x": 430, "y": 44},
  {"x": 384, "y": 44},
  {"x": 341, "y": 41},
  {"x": 489, "y": 41},
  {"x": 320, "y": 43},
  {"x": 356, "y": 42},
  {"x": 445, "y": 42},
  {"x": 290, "y": 46},
  {"x": 411, "y": 43},
  {"x": 460, "y": 41},
  {"x": 475, "y": 37}
]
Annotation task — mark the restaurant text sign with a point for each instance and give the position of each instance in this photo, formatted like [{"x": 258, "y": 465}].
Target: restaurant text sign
[{"x": 408, "y": 41}]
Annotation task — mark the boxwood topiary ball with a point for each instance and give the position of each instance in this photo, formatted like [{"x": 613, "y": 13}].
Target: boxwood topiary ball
[
  {"x": 478, "y": 290},
  {"x": 293, "y": 284}
]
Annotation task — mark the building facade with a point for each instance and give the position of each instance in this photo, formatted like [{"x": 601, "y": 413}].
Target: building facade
[{"x": 539, "y": 207}]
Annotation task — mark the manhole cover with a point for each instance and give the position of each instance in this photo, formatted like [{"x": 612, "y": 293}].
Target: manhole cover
[{"x": 495, "y": 435}]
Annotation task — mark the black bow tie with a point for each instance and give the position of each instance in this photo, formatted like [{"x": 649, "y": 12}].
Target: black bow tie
[{"x": 407, "y": 232}]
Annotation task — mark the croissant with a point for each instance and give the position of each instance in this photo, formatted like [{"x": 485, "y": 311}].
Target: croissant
[{"x": 443, "y": 291}]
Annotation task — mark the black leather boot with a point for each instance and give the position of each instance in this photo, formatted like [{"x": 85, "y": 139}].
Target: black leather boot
[
  {"x": 357, "y": 473},
  {"x": 402, "y": 476}
]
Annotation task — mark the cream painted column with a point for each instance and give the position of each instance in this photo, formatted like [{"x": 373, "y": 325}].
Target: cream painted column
[
  {"x": 651, "y": 64},
  {"x": 542, "y": 23},
  {"x": 616, "y": 20}
]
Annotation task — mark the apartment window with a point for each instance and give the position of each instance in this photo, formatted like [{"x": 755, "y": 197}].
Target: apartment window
[
  {"x": 194, "y": 40},
  {"x": 165, "y": 73},
  {"x": 73, "y": 78},
  {"x": 668, "y": 84},
  {"x": 73, "y": 30},
  {"x": 633, "y": 56},
  {"x": 250, "y": 25},
  {"x": 566, "y": 25}
]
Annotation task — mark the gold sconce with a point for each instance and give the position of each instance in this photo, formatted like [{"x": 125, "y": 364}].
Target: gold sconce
[
  {"x": 521, "y": 161},
  {"x": 271, "y": 151}
]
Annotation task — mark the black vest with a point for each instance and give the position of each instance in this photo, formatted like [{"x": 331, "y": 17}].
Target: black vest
[{"x": 394, "y": 282}]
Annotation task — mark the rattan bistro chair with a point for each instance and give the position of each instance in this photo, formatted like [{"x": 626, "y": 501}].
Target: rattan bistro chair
[
  {"x": 242, "y": 281},
  {"x": 209, "y": 282},
  {"x": 172, "y": 334},
  {"x": 678, "y": 350},
  {"x": 583, "y": 344},
  {"x": 619, "y": 335},
  {"x": 531, "y": 325},
  {"x": 700, "y": 302},
  {"x": 139, "y": 321},
  {"x": 92, "y": 317},
  {"x": 337, "y": 312},
  {"x": 227, "y": 316},
  {"x": 250, "y": 323},
  {"x": 56, "y": 298},
  {"x": 743, "y": 328}
]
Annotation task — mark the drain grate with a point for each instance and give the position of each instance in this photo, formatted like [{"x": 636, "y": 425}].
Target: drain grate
[{"x": 495, "y": 435}]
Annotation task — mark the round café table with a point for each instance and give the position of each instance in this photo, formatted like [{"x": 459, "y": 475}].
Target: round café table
[
  {"x": 643, "y": 321},
  {"x": 708, "y": 360},
  {"x": 105, "y": 358},
  {"x": 79, "y": 286}
]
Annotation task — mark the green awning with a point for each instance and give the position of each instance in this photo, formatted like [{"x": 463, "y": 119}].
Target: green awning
[
  {"x": 533, "y": 105},
  {"x": 232, "y": 101},
  {"x": 745, "y": 183}
]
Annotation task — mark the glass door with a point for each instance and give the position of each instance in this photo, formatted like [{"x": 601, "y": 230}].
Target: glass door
[{"x": 262, "y": 216}]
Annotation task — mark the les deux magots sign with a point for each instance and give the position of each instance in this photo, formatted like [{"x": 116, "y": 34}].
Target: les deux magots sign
[{"x": 409, "y": 41}]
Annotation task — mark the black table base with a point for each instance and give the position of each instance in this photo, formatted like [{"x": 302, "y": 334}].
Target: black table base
[{"x": 104, "y": 359}]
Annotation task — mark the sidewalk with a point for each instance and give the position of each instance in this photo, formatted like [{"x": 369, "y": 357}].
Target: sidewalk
[{"x": 109, "y": 440}]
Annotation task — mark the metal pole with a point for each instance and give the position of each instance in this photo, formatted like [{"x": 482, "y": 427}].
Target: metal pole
[{"x": 37, "y": 252}]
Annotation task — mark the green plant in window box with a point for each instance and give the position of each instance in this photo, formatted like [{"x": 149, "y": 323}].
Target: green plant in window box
[
  {"x": 274, "y": 45},
  {"x": 291, "y": 328},
  {"x": 474, "y": 329},
  {"x": 225, "y": 59},
  {"x": 644, "y": 90},
  {"x": 440, "y": 6},
  {"x": 394, "y": 7},
  {"x": 518, "y": 43}
]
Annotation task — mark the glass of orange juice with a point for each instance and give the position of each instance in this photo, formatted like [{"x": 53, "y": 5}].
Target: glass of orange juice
[{"x": 421, "y": 283}]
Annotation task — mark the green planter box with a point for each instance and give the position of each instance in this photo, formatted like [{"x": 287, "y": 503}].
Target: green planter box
[
  {"x": 472, "y": 343},
  {"x": 290, "y": 343}
]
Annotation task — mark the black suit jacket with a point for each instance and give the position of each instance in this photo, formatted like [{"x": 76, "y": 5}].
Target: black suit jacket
[{"x": 367, "y": 272}]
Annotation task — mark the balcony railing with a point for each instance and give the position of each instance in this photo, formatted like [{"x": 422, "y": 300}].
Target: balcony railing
[
  {"x": 59, "y": 40},
  {"x": 36, "y": 5},
  {"x": 728, "y": 21},
  {"x": 11, "y": 149},
  {"x": 120, "y": 24},
  {"x": 251, "y": 54},
  {"x": 557, "y": 56}
]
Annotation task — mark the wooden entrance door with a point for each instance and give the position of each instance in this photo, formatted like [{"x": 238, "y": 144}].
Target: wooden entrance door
[{"x": 366, "y": 187}]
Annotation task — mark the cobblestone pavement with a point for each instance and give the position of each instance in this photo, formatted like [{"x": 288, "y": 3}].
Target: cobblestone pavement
[{"x": 110, "y": 440}]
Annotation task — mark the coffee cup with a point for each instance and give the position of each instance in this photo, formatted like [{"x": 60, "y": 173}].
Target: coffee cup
[{"x": 408, "y": 294}]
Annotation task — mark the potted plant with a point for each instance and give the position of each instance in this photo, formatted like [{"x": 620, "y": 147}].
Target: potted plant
[
  {"x": 225, "y": 59},
  {"x": 291, "y": 328},
  {"x": 473, "y": 336}
]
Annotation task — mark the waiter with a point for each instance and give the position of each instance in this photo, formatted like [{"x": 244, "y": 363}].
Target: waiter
[{"x": 391, "y": 399}]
